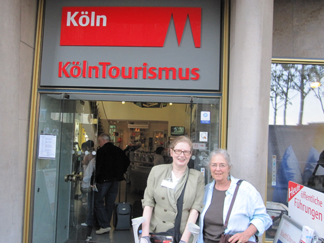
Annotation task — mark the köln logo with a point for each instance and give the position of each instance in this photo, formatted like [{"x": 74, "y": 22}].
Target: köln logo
[
  {"x": 126, "y": 26},
  {"x": 84, "y": 19}
]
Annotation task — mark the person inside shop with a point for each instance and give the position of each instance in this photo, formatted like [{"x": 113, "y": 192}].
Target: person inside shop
[
  {"x": 165, "y": 185},
  {"x": 86, "y": 188},
  {"x": 88, "y": 153},
  {"x": 248, "y": 216},
  {"x": 312, "y": 178},
  {"x": 111, "y": 164},
  {"x": 79, "y": 156},
  {"x": 129, "y": 151},
  {"x": 88, "y": 149},
  {"x": 158, "y": 157}
]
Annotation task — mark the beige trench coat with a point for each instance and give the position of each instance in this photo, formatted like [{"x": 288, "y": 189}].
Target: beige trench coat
[{"x": 164, "y": 200}]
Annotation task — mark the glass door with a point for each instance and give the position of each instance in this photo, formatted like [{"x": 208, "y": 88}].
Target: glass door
[
  {"x": 67, "y": 138},
  {"x": 46, "y": 173},
  {"x": 67, "y": 135},
  {"x": 204, "y": 131},
  {"x": 79, "y": 119}
]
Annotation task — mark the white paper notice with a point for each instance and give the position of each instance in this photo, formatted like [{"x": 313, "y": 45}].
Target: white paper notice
[
  {"x": 203, "y": 136},
  {"x": 47, "y": 147},
  {"x": 205, "y": 117}
]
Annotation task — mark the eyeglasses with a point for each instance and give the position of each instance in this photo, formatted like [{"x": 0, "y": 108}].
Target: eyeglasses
[
  {"x": 220, "y": 166},
  {"x": 179, "y": 152}
]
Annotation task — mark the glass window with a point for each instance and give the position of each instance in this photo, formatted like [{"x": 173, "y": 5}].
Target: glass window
[{"x": 296, "y": 126}]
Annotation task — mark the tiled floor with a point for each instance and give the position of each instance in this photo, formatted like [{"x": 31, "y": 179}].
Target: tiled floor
[{"x": 79, "y": 234}]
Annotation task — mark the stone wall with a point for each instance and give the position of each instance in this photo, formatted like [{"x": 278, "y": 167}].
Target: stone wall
[
  {"x": 17, "y": 28},
  {"x": 298, "y": 29}
]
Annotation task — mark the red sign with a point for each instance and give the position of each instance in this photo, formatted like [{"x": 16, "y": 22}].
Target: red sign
[
  {"x": 76, "y": 69},
  {"x": 293, "y": 189},
  {"x": 126, "y": 26}
]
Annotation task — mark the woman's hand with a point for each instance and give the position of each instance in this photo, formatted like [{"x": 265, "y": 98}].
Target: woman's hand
[
  {"x": 145, "y": 239},
  {"x": 239, "y": 238},
  {"x": 244, "y": 236}
]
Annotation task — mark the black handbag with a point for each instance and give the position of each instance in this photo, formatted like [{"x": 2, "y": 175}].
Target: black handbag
[
  {"x": 225, "y": 237},
  {"x": 173, "y": 235}
]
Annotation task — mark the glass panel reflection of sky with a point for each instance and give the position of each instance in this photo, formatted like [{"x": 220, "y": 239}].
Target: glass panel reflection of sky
[
  {"x": 296, "y": 128},
  {"x": 290, "y": 85}
]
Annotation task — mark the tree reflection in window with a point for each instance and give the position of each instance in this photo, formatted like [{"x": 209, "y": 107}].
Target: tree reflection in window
[
  {"x": 291, "y": 86},
  {"x": 296, "y": 128}
]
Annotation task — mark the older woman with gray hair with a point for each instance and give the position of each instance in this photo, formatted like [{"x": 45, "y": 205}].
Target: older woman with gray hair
[{"x": 248, "y": 216}]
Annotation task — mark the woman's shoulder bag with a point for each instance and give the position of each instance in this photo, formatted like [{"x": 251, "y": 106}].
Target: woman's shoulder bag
[{"x": 225, "y": 237}]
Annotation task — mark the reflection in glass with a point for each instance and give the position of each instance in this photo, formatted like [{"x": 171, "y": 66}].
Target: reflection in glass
[
  {"x": 293, "y": 101},
  {"x": 296, "y": 128},
  {"x": 59, "y": 203}
]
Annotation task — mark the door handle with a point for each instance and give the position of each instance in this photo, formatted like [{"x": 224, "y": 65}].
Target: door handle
[
  {"x": 73, "y": 177},
  {"x": 77, "y": 177},
  {"x": 68, "y": 177}
]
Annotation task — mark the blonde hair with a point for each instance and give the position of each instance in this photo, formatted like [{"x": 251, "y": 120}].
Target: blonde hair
[{"x": 181, "y": 139}]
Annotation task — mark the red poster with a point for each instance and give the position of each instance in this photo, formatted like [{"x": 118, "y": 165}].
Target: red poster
[
  {"x": 293, "y": 189},
  {"x": 126, "y": 26}
]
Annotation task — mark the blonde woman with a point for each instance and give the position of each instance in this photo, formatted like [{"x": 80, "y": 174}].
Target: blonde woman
[{"x": 164, "y": 186}]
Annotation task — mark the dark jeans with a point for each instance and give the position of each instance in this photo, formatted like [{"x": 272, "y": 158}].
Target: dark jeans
[
  {"x": 104, "y": 202},
  {"x": 89, "y": 220}
]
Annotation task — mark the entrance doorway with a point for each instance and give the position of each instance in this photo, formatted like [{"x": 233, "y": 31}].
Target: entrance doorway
[{"x": 68, "y": 128}]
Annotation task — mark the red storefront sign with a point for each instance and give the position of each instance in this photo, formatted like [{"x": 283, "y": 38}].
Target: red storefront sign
[
  {"x": 126, "y": 26},
  {"x": 106, "y": 70}
]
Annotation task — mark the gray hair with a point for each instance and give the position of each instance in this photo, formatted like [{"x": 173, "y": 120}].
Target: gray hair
[
  {"x": 222, "y": 152},
  {"x": 105, "y": 137}
]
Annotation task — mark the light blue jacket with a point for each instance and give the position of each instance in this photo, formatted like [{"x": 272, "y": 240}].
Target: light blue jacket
[{"x": 248, "y": 209}]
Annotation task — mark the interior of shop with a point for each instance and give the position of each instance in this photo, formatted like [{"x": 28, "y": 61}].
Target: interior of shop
[{"x": 150, "y": 126}]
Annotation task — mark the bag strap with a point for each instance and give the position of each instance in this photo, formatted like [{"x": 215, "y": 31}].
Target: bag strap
[
  {"x": 232, "y": 203},
  {"x": 179, "y": 207}
]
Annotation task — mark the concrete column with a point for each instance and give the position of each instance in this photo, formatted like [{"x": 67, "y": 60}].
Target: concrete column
[
  {"x": 249, "y": 89},
  {"x": 11, "y": 184},
  {"x": 17, "y": 28}
]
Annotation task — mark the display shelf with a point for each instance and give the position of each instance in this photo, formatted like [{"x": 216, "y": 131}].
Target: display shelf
[
  {"x": 159, "y": 138},
  {"x": 137, "y": 135}
]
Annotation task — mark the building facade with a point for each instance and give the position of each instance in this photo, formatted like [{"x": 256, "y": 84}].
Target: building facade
[{"x": 257, "y": 34}]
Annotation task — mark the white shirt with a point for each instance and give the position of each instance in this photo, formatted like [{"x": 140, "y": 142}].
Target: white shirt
[{"x": 88, "y": 173}]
